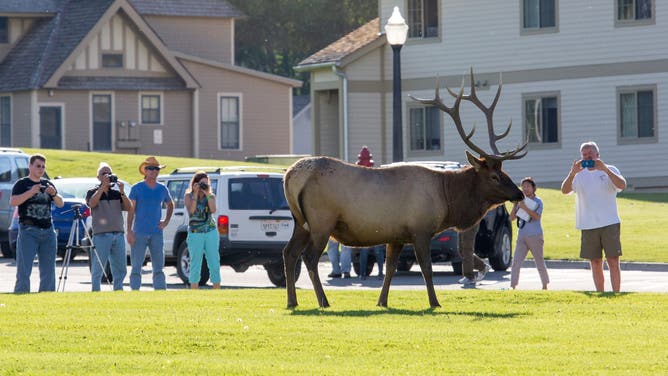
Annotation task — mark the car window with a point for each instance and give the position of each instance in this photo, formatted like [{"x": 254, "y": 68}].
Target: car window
[
  {"x": 5, "y": 170},
  {"x": 22, "y": 167},
  {"x": 177, "y": 189},
  {"x": 256, "y": 193}
]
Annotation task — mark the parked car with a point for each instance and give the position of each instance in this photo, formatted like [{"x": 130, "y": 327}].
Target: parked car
[
  {"x": 493, "y": 240},
  {"x": 253, "y": 218},
  {"x": 13, "y": 166}
]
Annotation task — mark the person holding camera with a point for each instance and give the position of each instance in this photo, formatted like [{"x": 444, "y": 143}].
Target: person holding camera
[
  {"x": 596, "y": 185},
  {"x": 33, "y": 195},
  {"x": 147, "y": 198},
  {"x": 203, "y": 238},
  {"x": 107, "y": 202},
  {"x": 529, "y": 234}
]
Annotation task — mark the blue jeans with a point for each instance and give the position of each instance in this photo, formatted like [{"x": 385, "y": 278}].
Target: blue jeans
[
  {"x": 204, "y": 244},
  {"x": 155, "y": 246},
  {"x": 108, "y": 246},
  {"x": 340, "y": 260},
  {"x": 379, "y": 251},
  {"x": 32, "y": 241}
]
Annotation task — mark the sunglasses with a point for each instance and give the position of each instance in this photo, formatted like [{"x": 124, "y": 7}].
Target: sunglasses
[
  {"x": 40, "y": 166},
  {"x": 152, "y": 168}
]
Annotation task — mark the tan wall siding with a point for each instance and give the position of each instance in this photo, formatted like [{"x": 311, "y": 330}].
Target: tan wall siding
[
  {"x": 327, "y": 123},
  {"x": 365, "y": 126},
  {"x": 265, "y": 112},
  {"x": 210, "y": 38},
  {"x": 21, "y": 117},
  {"x": 366, "y": 68}
]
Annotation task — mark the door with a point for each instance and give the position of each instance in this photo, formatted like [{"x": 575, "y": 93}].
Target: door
[
  {"x": 50, "y": 127},
  {"x": 102, "y": 122}
]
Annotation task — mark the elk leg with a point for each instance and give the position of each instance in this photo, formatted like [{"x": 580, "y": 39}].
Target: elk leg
[
  {"x": 423, "y": 256},
  {"x": 300, "y": 238},
  {"x": 392, "y": 252},
  {"x": 311, "y": 258}
]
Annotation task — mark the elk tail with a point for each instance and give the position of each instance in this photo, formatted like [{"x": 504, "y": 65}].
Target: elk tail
[{"x": 294, "y": 182}]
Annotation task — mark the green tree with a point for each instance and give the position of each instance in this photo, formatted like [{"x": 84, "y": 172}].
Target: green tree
[{"x": 277, "y": 34}]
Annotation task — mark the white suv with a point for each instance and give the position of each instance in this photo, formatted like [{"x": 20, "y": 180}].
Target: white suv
[{"x": 253, "y": 218}]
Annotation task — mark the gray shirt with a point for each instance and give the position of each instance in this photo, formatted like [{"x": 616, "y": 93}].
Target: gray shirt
[
  {"x": 533, "y": 227},
  {"x": 107, "y": 215}
]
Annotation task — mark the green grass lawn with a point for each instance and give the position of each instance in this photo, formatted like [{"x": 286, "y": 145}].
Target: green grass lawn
[
  {"x": 248, "y": 331},
  {"x": 644, "y": 215}
]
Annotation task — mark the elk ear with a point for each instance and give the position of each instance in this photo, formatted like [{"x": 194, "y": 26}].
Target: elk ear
[{"x": 475, "y": 162}]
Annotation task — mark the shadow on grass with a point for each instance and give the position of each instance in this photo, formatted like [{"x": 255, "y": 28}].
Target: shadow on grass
[
  {"x": 607, "y": 295},
  {"x": 404, "y": 312}
]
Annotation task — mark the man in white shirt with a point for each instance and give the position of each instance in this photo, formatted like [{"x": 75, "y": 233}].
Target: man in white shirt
[{"x": 596, "y": 185}]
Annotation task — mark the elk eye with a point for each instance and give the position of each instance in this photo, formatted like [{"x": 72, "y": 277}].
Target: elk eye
[{"x": 495, "y": 178}]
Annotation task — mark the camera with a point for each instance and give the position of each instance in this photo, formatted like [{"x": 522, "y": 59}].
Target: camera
[
  {"x": 203, "y": 186},
  {"x": 112, "y": 178},
  {"x": 587, "y": 163}
]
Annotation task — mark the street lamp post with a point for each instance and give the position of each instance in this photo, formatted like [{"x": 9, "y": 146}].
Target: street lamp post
[{"x": 396, "y": 31}]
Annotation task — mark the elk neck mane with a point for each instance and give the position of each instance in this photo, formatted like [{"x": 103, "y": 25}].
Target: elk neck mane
[{"x": 465, "y": 205}]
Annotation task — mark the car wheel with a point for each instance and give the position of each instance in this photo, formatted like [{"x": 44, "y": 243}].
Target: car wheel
[
  {"x": 371, "y": 261},
  {"x": 107, "y": 270},
  {"x": 404, "y": 265},
  {"x": 7, "y": 250},
  {"x": 183, "y": 266},
  {"x": 457, "y": 267},
  {"x": 503, "y": 251},
  {"x": 276, "y": 272}
]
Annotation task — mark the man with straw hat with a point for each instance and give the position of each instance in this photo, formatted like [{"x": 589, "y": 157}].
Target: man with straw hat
[{"x": 147, "y": 198}]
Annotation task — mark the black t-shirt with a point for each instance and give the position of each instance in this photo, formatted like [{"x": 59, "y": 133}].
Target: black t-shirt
[{"x": 35, "y": 211}]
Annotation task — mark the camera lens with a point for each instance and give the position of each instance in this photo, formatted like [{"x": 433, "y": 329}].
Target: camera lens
[
  {"x": 203, "y": 185},
  {"x": 113, "y": 178}
]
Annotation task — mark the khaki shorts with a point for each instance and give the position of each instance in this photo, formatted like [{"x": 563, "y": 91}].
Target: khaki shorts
[{"x": 603, "y": 238}]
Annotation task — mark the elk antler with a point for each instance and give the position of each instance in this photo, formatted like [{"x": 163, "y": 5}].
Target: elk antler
[{"x": 489, "y": 114}]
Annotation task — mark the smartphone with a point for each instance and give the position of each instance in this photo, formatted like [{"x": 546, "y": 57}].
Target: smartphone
[{"x": 587, "y": 163}]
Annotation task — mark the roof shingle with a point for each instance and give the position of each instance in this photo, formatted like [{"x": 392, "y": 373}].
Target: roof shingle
[
  {"x": 195, "y": 8},
  {"x": 348, "y": 44}
]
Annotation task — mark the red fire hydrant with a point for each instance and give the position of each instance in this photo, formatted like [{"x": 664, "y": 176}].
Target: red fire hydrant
[{"x": 364, "y": 157}]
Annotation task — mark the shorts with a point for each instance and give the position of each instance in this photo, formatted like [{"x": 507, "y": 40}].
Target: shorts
[{"x": 603, "y": 238}]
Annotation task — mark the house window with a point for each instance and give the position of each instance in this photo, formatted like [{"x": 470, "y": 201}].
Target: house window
[
  {"x": 150, "y": 109},
  {"x": 538, "y": 15},
  {"x": 4, "y": 30},
  {"x": 425, "y": 128},
  {"x": 112, "y": 60},
  {"x": 230, "y": 124},
  {"x": 422, "y": 18},
  {"x": 634, "y": 12},
  {"x": 541, "y": 119},
  {"x": 636, "y": 114},
  {"x": 5, "y": 121}
]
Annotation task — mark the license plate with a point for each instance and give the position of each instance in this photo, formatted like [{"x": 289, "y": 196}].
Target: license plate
[{"x": 275, "y": 226}]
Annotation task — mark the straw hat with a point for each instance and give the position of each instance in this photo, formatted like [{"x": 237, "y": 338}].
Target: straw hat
[{"x": 150, "y": 161}]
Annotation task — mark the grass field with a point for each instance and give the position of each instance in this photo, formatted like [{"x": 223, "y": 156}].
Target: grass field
[
  {"x": 249, "y": 332},
  {"x": 644, "y": 215}
]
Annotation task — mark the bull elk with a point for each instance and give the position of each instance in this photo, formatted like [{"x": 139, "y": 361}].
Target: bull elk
[{"x": 361, "y": 206}]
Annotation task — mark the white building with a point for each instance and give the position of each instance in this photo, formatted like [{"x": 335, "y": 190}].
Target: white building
[{"x": 573, "y": 71}]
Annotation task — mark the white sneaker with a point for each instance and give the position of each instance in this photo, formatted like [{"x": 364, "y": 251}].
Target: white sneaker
[
  {"x": 469, "y": 284},
  {"x": 462, "y": 280},
  {"x": 482, "y": 273}
]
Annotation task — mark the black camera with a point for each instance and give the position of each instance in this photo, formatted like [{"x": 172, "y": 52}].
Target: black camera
[
  {"x": 112, "y": 178},
  {"x": 203, "y": 186}
]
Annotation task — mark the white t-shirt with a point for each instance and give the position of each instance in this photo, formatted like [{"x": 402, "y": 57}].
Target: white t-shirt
[{"x": 595, "y": 199}]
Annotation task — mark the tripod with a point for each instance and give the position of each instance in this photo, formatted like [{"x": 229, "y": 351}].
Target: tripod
[{"x": 74, "y": 243}]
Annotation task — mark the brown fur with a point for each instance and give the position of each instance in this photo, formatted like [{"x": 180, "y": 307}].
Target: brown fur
[{"x": 362, "y": 206}]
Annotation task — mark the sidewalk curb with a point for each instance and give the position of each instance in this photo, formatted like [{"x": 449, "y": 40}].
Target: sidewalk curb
[{"x": 580, "y": 264}]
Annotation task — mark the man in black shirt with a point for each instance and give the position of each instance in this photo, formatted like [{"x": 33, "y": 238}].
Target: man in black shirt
[{"x": 33, "y": 195}]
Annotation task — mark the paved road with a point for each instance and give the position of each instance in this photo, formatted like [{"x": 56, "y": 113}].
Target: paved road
[{"x": 563, "y": 275}]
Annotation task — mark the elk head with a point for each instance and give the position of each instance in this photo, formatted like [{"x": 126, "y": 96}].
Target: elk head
[{"x": 489, "y": 165}]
